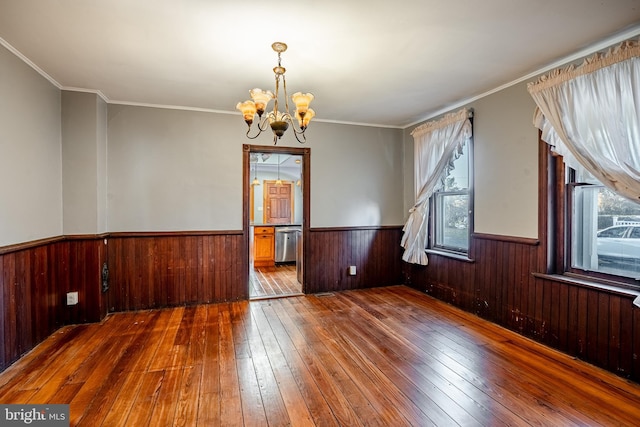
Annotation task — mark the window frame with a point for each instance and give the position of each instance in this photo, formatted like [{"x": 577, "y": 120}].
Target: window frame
[
  {"x": 432, "y": 247},
  {"x": 556, "y": 222}
]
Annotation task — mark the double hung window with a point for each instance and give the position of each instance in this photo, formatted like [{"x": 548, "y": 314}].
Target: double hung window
[
  {"x": 451, "y": 206},
  {"x": 603, "y": 228}
]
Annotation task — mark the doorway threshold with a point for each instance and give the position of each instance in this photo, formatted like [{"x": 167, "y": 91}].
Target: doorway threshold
[{"x": 265, "y": 297}]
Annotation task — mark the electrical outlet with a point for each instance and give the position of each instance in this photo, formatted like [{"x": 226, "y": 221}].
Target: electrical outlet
[
  {"x": 72, "y": 298},
  {"x": 352, "y": 270}
]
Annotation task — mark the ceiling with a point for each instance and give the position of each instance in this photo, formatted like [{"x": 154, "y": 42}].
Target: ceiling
[{"x": 384, "y": 63}]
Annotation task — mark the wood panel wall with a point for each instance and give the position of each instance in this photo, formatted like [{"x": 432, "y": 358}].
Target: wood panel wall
[
  {"x": 155, "y": 270},
  {"x": 375, "y": 251},
  {"x": 599, "y": 326},
  {"x": 167, "y": 269},
  {"x": 34, "y": 281}
]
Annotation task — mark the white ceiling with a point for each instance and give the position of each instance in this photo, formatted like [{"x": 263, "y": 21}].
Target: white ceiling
[{"x": 386, "y": 63}]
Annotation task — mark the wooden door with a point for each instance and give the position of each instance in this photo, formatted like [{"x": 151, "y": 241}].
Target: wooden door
[{"x": 278, "y": 202}]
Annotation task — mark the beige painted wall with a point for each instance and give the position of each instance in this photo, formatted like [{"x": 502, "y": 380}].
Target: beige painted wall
[
  {"x": 506, "y": 159},
  {"x": 101, "y": 167},
  {"x": 30, "y": 154},
  {"x": 356, "y": 176},
  {"x": 83, "y": 163},
  {"x": 182, "y": 170},
  {"x": 172, "y": 170}
]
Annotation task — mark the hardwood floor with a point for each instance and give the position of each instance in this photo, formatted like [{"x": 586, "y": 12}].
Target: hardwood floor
[
  {"x": 278, "y": 281},
  {"x": 383, "y": 356}
]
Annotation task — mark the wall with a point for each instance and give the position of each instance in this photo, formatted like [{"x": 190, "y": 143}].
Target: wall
[
  {"x": 506, "y": 172},
  {"x": 83, "y": 163},
  {"x": 168, "y": 269},
  {"x": 30, "y": 160},
  {"x": 356, "y": 176},
  {"x": 175, "y": 189},
  {"x": 173, "y": 170},
  {"x": 374, "y": 251},
  {"x": 38, "y": 264}
]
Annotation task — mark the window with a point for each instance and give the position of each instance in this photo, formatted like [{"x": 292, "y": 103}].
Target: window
[
  {"x": 593, "y": 232},
  {"x": 604, "y": 228},
  {"x": 450, "y": 207}
]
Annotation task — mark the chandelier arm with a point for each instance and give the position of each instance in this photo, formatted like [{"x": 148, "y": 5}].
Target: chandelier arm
[
  {"x": 297, "y": 129},
  {"x": 254, "y": 136},
  {"x": 304, "y": 137},
  {"x": 263, "y": 124}
]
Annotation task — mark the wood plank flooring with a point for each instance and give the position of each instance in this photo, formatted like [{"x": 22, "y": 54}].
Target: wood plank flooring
[
  {"x": 384, "y": 356},
  {"x": 278, "y": 281}
]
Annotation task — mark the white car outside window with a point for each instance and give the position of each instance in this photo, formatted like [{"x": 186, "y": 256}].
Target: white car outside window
[{"x": 620, "y": 244}]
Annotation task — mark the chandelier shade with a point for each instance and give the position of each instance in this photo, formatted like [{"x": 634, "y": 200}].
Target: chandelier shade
[
  {"x": 278, "y": 121},
  {"x": 248, "y": 109}
]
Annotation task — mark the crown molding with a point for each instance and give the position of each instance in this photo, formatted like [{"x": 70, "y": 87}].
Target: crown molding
[{"x": 27, "y": 61}]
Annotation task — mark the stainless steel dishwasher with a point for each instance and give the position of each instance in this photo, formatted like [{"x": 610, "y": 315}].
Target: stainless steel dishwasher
[{"x": 286, "y": 244}]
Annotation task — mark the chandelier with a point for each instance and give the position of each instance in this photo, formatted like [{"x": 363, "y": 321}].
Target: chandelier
[{"x": 277, "y": 120}]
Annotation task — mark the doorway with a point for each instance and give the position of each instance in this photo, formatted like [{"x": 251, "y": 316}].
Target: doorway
[{"x": 275, "y": 219}]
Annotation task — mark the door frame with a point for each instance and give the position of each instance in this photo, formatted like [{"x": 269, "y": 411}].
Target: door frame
[{"x": 305, "y": 154}]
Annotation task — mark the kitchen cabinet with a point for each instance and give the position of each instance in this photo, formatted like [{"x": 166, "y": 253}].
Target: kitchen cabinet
[{"x": 263, "y": 246}]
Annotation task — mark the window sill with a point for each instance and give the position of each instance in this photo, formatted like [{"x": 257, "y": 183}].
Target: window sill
[
  {"x": 447, "y": 254},
  {"x": 603, "y": 285}
]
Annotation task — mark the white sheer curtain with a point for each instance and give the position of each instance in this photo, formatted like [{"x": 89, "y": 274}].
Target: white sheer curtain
[
  {"x": 591, "y": 116},
  {"x": 436, "y": 145}
]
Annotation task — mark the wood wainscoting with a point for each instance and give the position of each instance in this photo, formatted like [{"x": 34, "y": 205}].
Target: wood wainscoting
[
  {"x": 594, "y": 324},
  {"x": 374, "y": 251},
  {"x": 155, "y": 270},
  {"x": 34, "y": 280}
]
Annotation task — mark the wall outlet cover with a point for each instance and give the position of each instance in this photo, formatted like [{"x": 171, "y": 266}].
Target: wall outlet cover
[
  {"x": 352, "y": 270},
  {"x": 72, "y": 298}
]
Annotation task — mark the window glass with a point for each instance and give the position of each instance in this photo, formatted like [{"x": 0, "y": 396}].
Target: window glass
[
  {"x": 450, "y": 229},
  {"x": 453, "y": 229},
  {"x": 458, "y": 178},
  {"x": 603, "y": 231}
]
